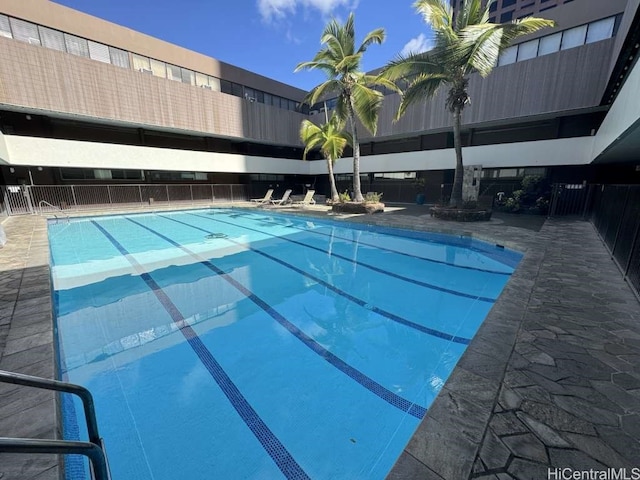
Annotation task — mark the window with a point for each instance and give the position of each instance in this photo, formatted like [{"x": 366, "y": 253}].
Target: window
[
  {"x": 158, "y": 68},
  {"x": 250, "y": 94},
  {"x": 549, "y": 44},
  {"x": 187, "y": 76},
  {"x": 225, "y": 86},
  {"x": 119, "y": 58},
  {"x": 600, "y": 30},
  {"x": 25, "y": 31},
  {"x": 508, "y": 55},
  {"x": 528, "y": 50},
  {"x": 268, "y": 99},
  {"x": 141, "y": 64},
  {"x": 5, "y": 28},
  {"x": 76, "y": 45},
  {"x": 214, "y": 83},
  {"x": 508, "y": 3},
  {"x": 201, "y": 80},
  {"x": 493, "y": 6},
  {"x": 99, "y": 52},
  {"x": 52, "y": 39},
  {"x": 237, "y": 90},
  {"x": 506, "y": 17},
  {"x": 260, "y": 96},
  {"x": 174, "y": 73},
  {"x": 574, "y": 37}
]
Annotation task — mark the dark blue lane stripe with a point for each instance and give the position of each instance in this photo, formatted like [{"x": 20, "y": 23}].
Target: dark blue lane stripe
[
  {"x": 415, "y": 257},
  {"x": 276, "y": 450},
  {"x": 355, "y": 374},
  {"x": 333, "y": 288},
  {"x": 357, "y": 262}
]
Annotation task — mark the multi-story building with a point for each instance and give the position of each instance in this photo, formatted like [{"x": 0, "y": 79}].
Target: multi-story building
[
  {"x": 507, "y": 10},
  {"x": 84, "y": 101}
]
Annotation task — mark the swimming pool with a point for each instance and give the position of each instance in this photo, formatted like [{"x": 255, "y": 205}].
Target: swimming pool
[{"x": 247, "y": 344}]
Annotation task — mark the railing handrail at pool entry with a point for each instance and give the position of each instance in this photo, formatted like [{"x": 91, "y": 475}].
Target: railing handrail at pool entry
[{"x": 94, "y": 449}]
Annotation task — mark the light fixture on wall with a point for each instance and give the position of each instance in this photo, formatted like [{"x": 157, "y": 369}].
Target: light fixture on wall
[
  {"x": 39, "y": 169},
  {"x": 28, "y": 117},
  {"x": 12, "y": 170}
]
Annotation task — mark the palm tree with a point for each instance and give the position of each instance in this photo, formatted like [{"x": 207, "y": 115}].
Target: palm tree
[
  {"x": 340, "y": 61},
  {"x": 468, "y": 44},
  {"x": 331, "y": 140}
]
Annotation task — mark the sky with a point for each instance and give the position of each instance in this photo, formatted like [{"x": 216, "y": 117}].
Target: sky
[{"x": 269, "y": 37}]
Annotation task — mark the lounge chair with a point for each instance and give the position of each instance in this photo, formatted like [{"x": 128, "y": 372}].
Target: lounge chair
[
  {"x": 283, "y": 200},
  {"x": 307, "y": 200},
  {"x": 265, "y": 199}
]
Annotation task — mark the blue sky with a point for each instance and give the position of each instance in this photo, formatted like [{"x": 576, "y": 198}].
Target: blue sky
[{"x": 268, "y": 37}]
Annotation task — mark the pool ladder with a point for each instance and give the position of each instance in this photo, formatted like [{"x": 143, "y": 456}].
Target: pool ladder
[
  {"x": 44, "y": 202},
  {"x": 93, "y": 449}
]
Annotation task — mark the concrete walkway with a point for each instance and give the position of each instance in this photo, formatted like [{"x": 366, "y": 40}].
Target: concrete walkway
[{"x": 551, "y": 380}]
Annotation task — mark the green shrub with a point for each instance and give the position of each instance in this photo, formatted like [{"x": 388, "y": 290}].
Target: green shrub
[
  {"x": 344, "y": 197},
  {"x": 372, "y": 197}
]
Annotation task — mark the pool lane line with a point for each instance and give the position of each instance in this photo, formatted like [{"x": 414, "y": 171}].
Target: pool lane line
[
  {"x": 342, "y": 293},
  {"x": 274, "y": 448},
  {"x": 430, "y": 286},
  {"x": 415, "y": 257},
  {"x": 370, "y": 384}
]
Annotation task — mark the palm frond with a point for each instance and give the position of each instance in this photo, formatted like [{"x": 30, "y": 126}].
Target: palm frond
[
  {"x": 366, "y": 105},
  {"x": 322, "y": 90},
  {"x": 421, "y": 88},
  {"x": 412, "y": 64},
  {"x": 375, "y": 36},
  {"x": 437, "y": 13},
  {"x": 524, "y": 26},
  {"x": 481, "y": 45},
  {"x": 311, "y": 136}
]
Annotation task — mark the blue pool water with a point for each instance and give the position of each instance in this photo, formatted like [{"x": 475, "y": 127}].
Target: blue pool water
[{"x": 253, "y": 345}]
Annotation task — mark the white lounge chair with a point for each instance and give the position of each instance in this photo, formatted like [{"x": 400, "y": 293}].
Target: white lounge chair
[
  {"x": 307, "y": 200},
  {"x": 265, "y": 199},
  {"x": 283, "y": 200}
]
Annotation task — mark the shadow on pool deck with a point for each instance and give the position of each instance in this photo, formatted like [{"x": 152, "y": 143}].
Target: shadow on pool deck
[{"x": 551, "y": 380}]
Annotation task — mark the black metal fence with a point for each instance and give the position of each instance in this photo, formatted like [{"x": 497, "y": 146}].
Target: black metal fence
[{"x": 615, "y": 212}]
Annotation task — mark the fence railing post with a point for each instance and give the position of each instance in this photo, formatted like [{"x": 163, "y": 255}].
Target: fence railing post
[
  {"x": 636, "y": 239},
  {"x": 73, "y": 194}
]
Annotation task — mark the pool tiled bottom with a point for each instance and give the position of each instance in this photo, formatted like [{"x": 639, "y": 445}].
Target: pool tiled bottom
[{"x": 552, "y": 379}]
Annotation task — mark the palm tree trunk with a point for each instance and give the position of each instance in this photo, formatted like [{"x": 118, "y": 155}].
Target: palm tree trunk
[
  {"x": 332, "y": 181},
  {"x": 456, "y": 191},
  {"x": 357, "y": 192}
]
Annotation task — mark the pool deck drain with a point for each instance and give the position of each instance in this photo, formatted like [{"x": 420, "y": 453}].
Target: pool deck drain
[{"x": 551, "y": 380}]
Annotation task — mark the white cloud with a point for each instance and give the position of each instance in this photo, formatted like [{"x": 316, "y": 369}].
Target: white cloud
[
  {"x": 273, "y": 10},
  {"x": 417, "y": 45}
]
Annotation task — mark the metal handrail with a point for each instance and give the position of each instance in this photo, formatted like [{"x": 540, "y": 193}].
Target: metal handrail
[
  {"x": 33, "y": 446},
  {"x": 60, "y": 447},
  {"x": 52, "y": 206}
]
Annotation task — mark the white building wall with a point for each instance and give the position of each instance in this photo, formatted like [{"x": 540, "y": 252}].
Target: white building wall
[
  {"x": 4, "y": 152},
  {"x": 47, "y": 152},
  {"x": 564, "y": 151},
  {"x": 623, "y": 113}
]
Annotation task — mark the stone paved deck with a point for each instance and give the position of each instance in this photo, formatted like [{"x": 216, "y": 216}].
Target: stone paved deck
[
  {"x": 26, "y": 346},
  {"x": 552, "y": 379}
]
